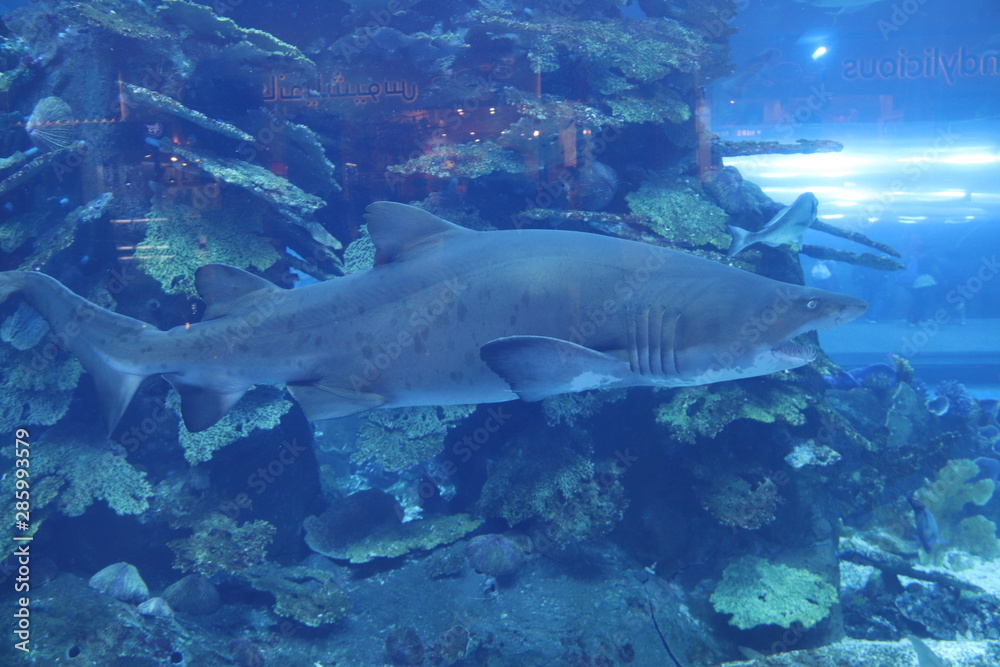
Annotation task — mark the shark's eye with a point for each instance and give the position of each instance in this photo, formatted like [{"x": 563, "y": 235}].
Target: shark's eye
[{"x": 811, "y": 304}]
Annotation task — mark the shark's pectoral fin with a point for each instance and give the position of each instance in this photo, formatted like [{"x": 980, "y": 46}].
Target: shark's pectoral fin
[
  {"x": 536, "y": 367},
  {"x": 202, "y": 407},
  {"x": 226, "y": 290},
  {"x": 321, "y": 400}
]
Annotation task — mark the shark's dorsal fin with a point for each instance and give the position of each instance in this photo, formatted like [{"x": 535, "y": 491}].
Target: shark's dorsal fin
[
  {"x": 537, "y": 367},
  {"x": 400, "y": 231},
  {"x": 224, "y": 289}
]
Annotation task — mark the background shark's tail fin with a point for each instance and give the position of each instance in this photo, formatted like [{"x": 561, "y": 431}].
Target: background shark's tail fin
[
  {"x": 108, "y": 345},
  {"x": 740, "y": 240}
]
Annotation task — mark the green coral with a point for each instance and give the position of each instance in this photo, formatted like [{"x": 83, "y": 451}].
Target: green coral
[
  {"x": 666, "y": 105},
  {"x": 555, "y": 486},
  {"x": 682, "y": 215},
  {"x": 260, "y": 408},
  {"x": 393, "y": 540},
  {"x": 177, "y": 244},
  {"x": 34, "y": 389},
  {"x": 694, "y": 412},
  {"x": 469, "y": 160},
  {"x": 359, "y": 255},
  {"x": 203, "y": 22},
  {"x": 946, "y": 497},
  {"x": 219, "y": 544},
  {"x": 568, "y": 408},
  {"x": 398, "y": 439},
  {"x": 311, "y": 597},
  {"x": 74, "y": 474},
  {"x": 758, "y": 592}
]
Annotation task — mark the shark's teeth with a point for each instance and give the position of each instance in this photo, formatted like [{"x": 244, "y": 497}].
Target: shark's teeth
[{"x": 804, "y": 353}]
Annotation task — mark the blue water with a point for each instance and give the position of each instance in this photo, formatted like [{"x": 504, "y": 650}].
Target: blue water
[{"x": 838, "y": 511}]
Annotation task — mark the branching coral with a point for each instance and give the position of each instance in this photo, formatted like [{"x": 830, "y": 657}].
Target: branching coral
[
  {"x": 952, "y": 489},
  {"x": 398, "y": 439},
  {"x": 737, "y": 504},
  {"x": 758, "y": 592},
  {"x": 260, "y": 408},
  {"x": 681, "y": 215},
  {"x": 176, "y": 245},
  {"x": 33, "y": 388},
  {"x": 694, "y": 412},
  {"x": 220, "y": 545},
  {"x": 469, "y": 160},
  {"x": 555, "y": 487},
  {"x": 74, "y": 474}
]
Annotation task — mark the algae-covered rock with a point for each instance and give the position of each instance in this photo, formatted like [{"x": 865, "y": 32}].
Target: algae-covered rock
[
  {"x": 311, "y": 597},
  {"x": 694, "y": 412},
  {"x": 398, "y": 439},
  {"x": 682, "y": 215},
  {"x": 391, "y": 540},
  {"x": 758, "y": 592}
]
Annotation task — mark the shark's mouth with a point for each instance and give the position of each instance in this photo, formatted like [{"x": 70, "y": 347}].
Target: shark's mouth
[{"x": 794, "y": 352}]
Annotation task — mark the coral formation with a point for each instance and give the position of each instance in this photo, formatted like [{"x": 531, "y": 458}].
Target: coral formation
[
  {"x": 122, "y": 582},
  {"x": 306, "y": 595},
  {"x": 193, "y": 594},
  {"x": 398, "y": 439},
  {"x": 682, "y": 215},
  {"x": 737, "y": 504},
  {"x": 155, "y": 608},
  {"x": 758, "y": 592},
  {"x": 704, "y": 411},
  {"x": 494, "y": 555},
  {"x": 955, "y": 486},
  {"x": 556, "y": 488},
  {"x": 261, "y": 408},
  {"x": 75, "y": 474},
  {"x": 462, "y": 161},
  {"x": 390, "y": 540},
  {"x": 233, "y": 237},
  {"x": 219, "y": 544},
  {"x": 35, "y": 390},
  {"x": 49, "y": 124}
]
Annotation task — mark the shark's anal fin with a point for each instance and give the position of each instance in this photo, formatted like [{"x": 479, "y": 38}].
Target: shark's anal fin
[
  {"x": 320, "y": 400},
  {"x": 226, "y": 290},
  {"x": 202, "y": 407},
  {"x": 537, "y": 367}
]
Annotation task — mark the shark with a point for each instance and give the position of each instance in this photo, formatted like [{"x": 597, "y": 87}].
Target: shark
[
  {"x": 787, "y": 226},
  {"x": 448, "y": 316}
]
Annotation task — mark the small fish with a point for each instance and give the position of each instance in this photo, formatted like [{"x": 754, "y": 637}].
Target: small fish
[
  {"x": 787, "y": 227},
  {"x": 927, "y": 527}
]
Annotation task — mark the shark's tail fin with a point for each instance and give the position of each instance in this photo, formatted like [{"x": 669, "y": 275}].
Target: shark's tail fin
[
  {"x": 741, "y": 239},
  {"x": 108, "y": 344}
]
